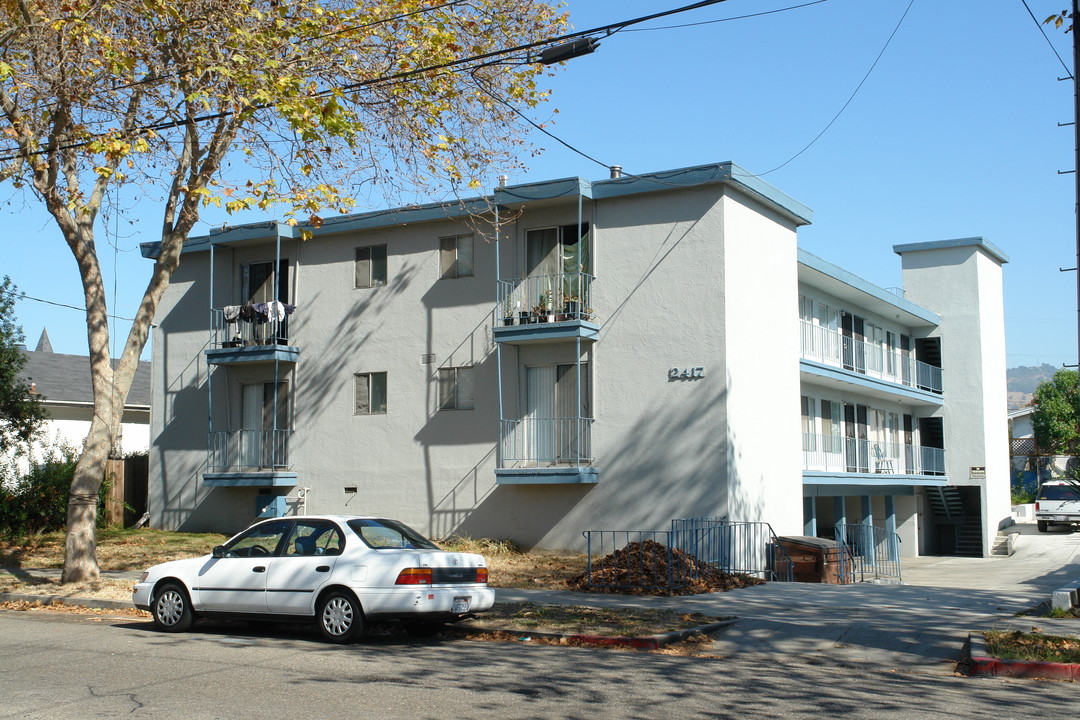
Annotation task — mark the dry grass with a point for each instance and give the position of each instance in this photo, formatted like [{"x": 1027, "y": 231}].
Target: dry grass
[
  {"x": 1016, "y": 645},
  {"x": 126, "y": 549},
  {"x": 511, "y": 568}
]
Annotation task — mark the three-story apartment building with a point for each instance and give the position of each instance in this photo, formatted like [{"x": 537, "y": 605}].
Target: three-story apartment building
[{"x": 573, "y": 355}]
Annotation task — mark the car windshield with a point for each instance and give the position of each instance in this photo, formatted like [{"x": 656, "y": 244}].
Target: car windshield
[
  {"x": 1058, "y": 492},
  {"x": 385, "y": 534}
]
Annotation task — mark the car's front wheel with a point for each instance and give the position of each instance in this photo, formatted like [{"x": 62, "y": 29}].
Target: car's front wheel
[
  {"x": 172, "y": 609},
  {"x": 340, "y": 618}
]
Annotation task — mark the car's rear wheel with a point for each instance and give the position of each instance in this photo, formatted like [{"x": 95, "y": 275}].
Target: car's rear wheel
[
  {"x": 172, "y": 609},
  {"x": 339, "y": 617},
  {"x": 1043, "y": 525}
]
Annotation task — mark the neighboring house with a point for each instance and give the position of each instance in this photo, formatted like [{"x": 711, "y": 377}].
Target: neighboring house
[
  {"x": 581, "y": 356},
  {"x": 63, "y": 381}
]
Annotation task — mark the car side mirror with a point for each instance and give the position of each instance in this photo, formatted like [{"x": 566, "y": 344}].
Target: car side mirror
[{"x": 219, "y": 551}]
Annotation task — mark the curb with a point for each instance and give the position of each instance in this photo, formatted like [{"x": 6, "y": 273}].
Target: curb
[
  {"x": 93, "y": 603},
  {"x": 647, "y": 642},
  {"x": 982, "y": 663}
]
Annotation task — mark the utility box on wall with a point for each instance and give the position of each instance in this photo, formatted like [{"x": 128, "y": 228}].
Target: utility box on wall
[{"x": 270, "y": 506}]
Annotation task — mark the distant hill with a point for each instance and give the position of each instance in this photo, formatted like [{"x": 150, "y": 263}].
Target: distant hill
[{"x": 1021, "y": 382}]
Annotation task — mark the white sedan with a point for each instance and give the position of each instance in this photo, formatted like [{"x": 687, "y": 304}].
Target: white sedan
[{"x": 340, "y": 571}]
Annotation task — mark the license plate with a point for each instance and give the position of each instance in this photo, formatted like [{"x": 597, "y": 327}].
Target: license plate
[
  {"x": 1059, "y": 517},
  {"x": 461, "y": 605}
]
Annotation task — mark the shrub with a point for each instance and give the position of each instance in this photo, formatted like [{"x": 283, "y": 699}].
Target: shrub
[{"x": 36, "y": 502}]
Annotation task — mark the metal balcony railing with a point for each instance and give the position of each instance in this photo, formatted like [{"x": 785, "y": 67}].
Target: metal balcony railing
[
  {"x": 834, "y": 348},
  {"x": 545, "y": 298},
  {"x": 252, "y": 328},
  {"x": 245, "y": 450},
  {"x": 836, "y": 453},
  {"x": 546, "y": 442}
]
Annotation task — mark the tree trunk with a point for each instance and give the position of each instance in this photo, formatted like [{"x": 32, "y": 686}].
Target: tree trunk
[{"x": 80, "y": 548}]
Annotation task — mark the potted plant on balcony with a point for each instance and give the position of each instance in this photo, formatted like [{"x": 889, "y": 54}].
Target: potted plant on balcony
[
  {"x": 542, "y": 310},
  {"x": 571, "y": 306}
]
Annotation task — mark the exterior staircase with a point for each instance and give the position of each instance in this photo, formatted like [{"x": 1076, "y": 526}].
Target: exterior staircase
[
  {"x": 969, "y": 537},
  {"x": 964, "y": 528}
]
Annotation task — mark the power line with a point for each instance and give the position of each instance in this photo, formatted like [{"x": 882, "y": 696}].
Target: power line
[
  {"x": 727, "y": 19},
  {"x": 845, "y": 105},
  {"x": 24, "y": 296},
  {"x": 1047, "y": 38},
  {"x": 603, "y": 30}
]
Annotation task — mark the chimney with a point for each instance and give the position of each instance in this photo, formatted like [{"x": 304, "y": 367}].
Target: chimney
[
  {"x": 616, "y": 171},
  {"x": 503, "y": 180}
]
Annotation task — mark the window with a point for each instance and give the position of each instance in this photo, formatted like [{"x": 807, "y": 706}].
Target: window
[
  {"x": 370, "y": 393},
  {"x": 389, "y": 534},
  {"x": 456, "y": 256},
  {"x": 371, "y": 266},
  {"x": 808, "y": 407},
  {"x": 456, "y": 388}
]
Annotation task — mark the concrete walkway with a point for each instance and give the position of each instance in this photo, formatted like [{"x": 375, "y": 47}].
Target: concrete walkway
[{"x": 920, "y": 626}]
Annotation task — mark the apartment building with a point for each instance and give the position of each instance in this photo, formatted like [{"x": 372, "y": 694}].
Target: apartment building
[{"x": 571, "y": 355}]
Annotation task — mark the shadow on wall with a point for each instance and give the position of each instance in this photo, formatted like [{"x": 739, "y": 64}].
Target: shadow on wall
[
  {"x": 668, "y": 464},
  {"x": 366, "y": 315}
]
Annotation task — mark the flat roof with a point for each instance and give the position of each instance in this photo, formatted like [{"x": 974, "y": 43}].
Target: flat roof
[
  {"x": 991, "y": 249},
  {"x": 666, "y": 180}
]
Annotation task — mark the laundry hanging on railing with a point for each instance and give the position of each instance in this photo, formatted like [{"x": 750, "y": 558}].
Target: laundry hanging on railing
[{"x": 257, "y": 313}]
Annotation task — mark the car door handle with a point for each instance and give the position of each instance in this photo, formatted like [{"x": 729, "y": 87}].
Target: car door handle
[
  {"x": 259, "y": 568},
  {"x": 323, "y": 568}
]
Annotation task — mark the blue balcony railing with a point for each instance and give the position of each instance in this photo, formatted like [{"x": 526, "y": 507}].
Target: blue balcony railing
[
  {"x": 546, "y": 442},
  {"x": 248, "y": 450},
  {"x": 545, "y": 298}
]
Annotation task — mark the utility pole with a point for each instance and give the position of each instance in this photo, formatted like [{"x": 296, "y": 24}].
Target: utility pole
[{"x": 1076, "y": 175}]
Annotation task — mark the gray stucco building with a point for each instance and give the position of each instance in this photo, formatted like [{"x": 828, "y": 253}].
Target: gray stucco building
[{"x": 573, "y": 355}]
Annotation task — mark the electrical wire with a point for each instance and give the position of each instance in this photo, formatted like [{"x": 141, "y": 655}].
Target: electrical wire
[
  {"x": 845, "y": 105},
  {"x": 1047, "y": 38},
  {"x": 23, "y": 296},
  {"x": 727, "y": 19},
  {"x": 605, "y": 30}
]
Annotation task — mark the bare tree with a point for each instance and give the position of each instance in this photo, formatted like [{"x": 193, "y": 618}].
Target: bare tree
[{"x": 297, "y": 104}]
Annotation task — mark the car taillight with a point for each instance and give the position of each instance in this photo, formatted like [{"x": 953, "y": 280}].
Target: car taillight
[
  {"x": 414, "y": 576},
  {"x": 481, "y": 575},
  {"x": 1036, "y": 504}
]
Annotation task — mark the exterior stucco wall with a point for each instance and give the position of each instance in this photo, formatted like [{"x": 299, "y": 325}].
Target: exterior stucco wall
[
  {"x": 761, "y": 350},
  {"x": 973, "y": 368}
]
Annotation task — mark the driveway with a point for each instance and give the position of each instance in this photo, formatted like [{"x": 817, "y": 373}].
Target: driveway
[{"x": 919, "y": 626}]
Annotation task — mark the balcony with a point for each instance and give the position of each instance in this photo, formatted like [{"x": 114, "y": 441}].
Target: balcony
[
  {"x": 542, "y": 308},
  {"x": 838, "y": 454},
  {"x": 251, "y": 334},
  {"x": 830, "y": 347},
  {"x": 249, "y": 458},
  {"x": 546, "y": 450}
]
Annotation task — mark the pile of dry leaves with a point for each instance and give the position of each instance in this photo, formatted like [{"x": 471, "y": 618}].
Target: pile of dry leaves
[{"x": 649, "y": 568}]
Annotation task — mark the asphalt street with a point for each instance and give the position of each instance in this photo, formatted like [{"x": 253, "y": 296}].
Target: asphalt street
[{"x": 65, "y": 666}]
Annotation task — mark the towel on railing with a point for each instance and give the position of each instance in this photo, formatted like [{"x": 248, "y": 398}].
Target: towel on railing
[{"x": 231, "y": 313}]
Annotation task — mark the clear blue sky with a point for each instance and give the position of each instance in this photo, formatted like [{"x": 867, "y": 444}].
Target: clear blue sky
[{"x": 954, "y": 134}]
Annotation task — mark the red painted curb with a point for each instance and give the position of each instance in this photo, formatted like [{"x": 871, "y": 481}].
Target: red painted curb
[{"x": 983, "y": 664}]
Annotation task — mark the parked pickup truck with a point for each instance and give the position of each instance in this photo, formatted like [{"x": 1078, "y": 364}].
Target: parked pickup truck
[{"x": 1058, "y": 503}]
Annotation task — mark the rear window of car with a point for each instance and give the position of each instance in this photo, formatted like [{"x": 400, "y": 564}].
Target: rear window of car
[
  {"x": 1058, "y": 492},
  {"x": 390, "y": 534}
]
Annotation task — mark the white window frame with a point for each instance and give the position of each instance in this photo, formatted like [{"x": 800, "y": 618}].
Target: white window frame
[
  {"x": 450, "y": 256},
  {"x": 451, "y": 380},
  {"x": 366, "y": 379}
]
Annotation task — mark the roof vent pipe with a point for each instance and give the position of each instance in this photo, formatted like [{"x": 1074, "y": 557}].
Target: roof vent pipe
[
  {"x": 503, "y": 180},
  {"x": 616, "y": 171}
]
